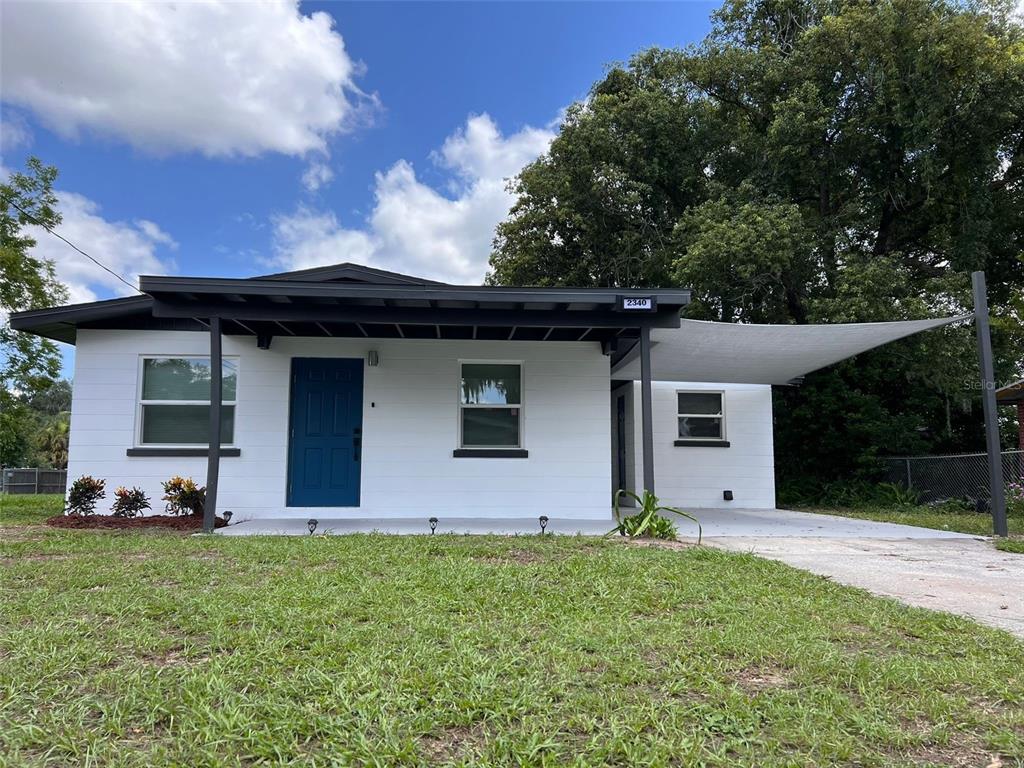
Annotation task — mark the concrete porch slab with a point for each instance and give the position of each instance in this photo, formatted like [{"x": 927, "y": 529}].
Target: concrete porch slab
[{"x": 717, "y": 523}]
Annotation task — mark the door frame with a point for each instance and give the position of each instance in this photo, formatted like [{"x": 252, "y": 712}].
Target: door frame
[{"x": 291, "y": 433}]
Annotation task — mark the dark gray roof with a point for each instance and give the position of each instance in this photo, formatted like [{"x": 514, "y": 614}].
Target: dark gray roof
[{"x": 351, "y": 300}]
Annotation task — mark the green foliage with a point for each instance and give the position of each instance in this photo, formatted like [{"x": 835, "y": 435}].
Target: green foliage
[
  {"x": 183, "y": 496},
  {"x": 129, "y": 502},
  {"x": 655, "y": 527},
  {"x": 811, "y": 161},
  {"x": 898, "y": 495},
  {"x": 1015, "y": 498},
  {"x": 29, "y": 363},
  {"x": 83, "y": 495},
  {"x": 647, "y": 520}
]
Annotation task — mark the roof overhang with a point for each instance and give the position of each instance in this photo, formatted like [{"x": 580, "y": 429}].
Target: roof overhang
[
  {"x": 266, "y": 307},
  {"x": 760, "y": 354},
  {"x": 1011, "y": 393}
]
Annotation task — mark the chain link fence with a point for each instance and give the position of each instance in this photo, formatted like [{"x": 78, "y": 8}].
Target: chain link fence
[
  {"x": 33, "y": 480},
  {"x": 957, "y": 476}
]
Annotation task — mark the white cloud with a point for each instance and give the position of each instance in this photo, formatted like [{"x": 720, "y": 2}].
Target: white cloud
[
  {"x": 130, "y": 249},
  {"x": 14, "y": 132},
  {"x": 414, "y": 228},
  {"x": 222, "y": 78},
  {"x": 317, "y": 175}
]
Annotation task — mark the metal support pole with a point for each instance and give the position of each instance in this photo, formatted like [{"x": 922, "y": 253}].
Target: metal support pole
[
  {"x": 910, "y": 482},
  {"x": 213, "y": 454},
  {"x": 647, "y": 419},
  {"x": 988, "y": 400}
]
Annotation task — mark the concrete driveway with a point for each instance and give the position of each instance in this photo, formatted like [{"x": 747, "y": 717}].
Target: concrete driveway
[{"x": 941, "y": 570}]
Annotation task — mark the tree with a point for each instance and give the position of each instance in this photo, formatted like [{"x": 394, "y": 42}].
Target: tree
[
  {"x": 810, "y": 161},
  {"x": 27, "y": 364}
]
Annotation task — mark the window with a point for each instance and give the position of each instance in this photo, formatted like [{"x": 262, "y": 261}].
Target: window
[
  {"x": 174, "y": 401},
  {"x": 491, "y": 405},
  {"x": 701, "y": 416}
]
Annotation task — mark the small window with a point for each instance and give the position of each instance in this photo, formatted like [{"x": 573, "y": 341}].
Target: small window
[
  {"x": 491, "y": 405},
  {"x": 174, "y": 405},
  {"x": 701, "y": 415}
]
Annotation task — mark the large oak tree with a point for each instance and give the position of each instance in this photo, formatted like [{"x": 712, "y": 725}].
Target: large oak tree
[{"x": 810, "y": 161}]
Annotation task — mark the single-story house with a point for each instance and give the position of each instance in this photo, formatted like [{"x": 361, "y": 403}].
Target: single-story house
[{"x": 346, "y": 391}]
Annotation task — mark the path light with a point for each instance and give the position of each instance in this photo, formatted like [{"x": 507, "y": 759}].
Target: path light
[
  {"x": 311, "y": 524},
  {"x": 227, "y": 515},
  {"x": 543, "y": 523},
  {"x": 433, "y": 525}
]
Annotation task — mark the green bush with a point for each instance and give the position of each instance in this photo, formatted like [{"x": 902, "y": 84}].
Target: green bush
[
  {"x": 183, "y": 496},
  {"x": 83, "y": 495},
  {"x": 129, "y": 503}
]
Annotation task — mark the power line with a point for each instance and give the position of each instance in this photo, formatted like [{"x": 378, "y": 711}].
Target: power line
[{"x": 59, "y": 236}]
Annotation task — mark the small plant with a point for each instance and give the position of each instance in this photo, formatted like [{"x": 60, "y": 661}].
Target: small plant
[
  {"x": 1015, "y": 499},
  {"x": 647, "y": 521},
  {"x": 897, "y": 495},
  {"x": 129, "y": 503},
  {"x": 83, "y": 495},
  {"x": 184, "y": 497}
]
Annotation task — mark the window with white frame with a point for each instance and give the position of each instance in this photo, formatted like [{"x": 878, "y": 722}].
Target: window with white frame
[
  {"x": 174, "y": 401},
  {"x": 491, "y": 405},
  {"x": 701, "y": 415}
]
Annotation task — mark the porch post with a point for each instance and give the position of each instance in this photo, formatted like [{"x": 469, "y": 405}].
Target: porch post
[
  {"x": 213, "y": 455},
  {"x": 988, "y": 400},
  {"x": 645, "y": 400}
]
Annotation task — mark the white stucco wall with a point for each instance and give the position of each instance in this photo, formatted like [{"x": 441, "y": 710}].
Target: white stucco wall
[
  {"x": 409, "y": 427},
  {"x": 695, "y": 476}
]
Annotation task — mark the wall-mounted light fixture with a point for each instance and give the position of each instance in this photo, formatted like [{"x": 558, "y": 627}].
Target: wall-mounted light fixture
[
  {"x": 311, "y": 524},
  {"x": 373, "y": 358},
  {"x": 727, "y": 495}
]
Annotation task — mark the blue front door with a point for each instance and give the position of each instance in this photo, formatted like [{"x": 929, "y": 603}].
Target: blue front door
[{"x": 326, "y": 432}]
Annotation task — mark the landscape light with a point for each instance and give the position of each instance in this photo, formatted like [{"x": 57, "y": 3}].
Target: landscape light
[
  {"x": 433, "y": 525},
  {"x": 227, "y": 515},
  {"x": 543, "y": 523},
  {"x": 311, "y": 524}
]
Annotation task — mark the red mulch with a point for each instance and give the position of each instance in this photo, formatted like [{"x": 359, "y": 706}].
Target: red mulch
[{"x": 174, "y": 523}]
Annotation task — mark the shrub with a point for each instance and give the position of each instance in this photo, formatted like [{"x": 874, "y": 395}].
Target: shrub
[
  {"x": 1015, "y": 498},
  {"x": 83, "y": 495},
  {"x": 129, "y": 503},
  {"x": 184, "y": 497},
  {"x": 647, "y": 521},
  {"x": 897, "y": 495}
]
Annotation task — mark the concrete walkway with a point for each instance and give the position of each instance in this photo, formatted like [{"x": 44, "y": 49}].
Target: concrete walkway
[{"x": 962, "y": 575}]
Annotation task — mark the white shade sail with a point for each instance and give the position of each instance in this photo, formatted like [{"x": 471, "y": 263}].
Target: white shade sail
[{"x": 760, "y": 354}]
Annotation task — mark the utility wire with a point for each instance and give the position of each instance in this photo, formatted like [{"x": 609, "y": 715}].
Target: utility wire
[{"x": 59, "y": 236}]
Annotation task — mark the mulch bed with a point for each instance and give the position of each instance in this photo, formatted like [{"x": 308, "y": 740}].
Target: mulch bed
[{"x": 172, "y": 522}]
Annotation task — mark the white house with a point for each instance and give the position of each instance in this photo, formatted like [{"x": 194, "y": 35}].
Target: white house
[{"x": 349, "y": 392}]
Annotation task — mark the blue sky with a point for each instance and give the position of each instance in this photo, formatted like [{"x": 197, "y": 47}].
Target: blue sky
[{"x": 237, "y": 139}]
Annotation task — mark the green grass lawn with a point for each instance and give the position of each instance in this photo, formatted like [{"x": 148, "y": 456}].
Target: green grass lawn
[{"x": 161, "y": 649}]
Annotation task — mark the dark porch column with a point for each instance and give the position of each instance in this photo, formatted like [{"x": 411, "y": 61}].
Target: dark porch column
[
  {"x": 988, "y": 400},
  {"x": 647, "y": 419},
  {"x": 213, "y": 456}
]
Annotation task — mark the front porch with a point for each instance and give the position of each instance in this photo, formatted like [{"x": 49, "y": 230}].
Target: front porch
[{"x": 717, "y": 523}]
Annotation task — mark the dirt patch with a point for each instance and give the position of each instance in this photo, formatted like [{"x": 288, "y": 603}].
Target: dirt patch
[
  {"x": 453, "y": 742},
  {"x": 106, "y": 522},
  {"x": 659, "y": 543},
  {"x": 754, "y": 680}
]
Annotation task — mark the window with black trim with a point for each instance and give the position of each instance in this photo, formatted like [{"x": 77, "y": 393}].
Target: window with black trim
[
  {"x": 701, "y": 415},
  {"x": 491, "y": 405},
  {"x": 174, "y": 401}
]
